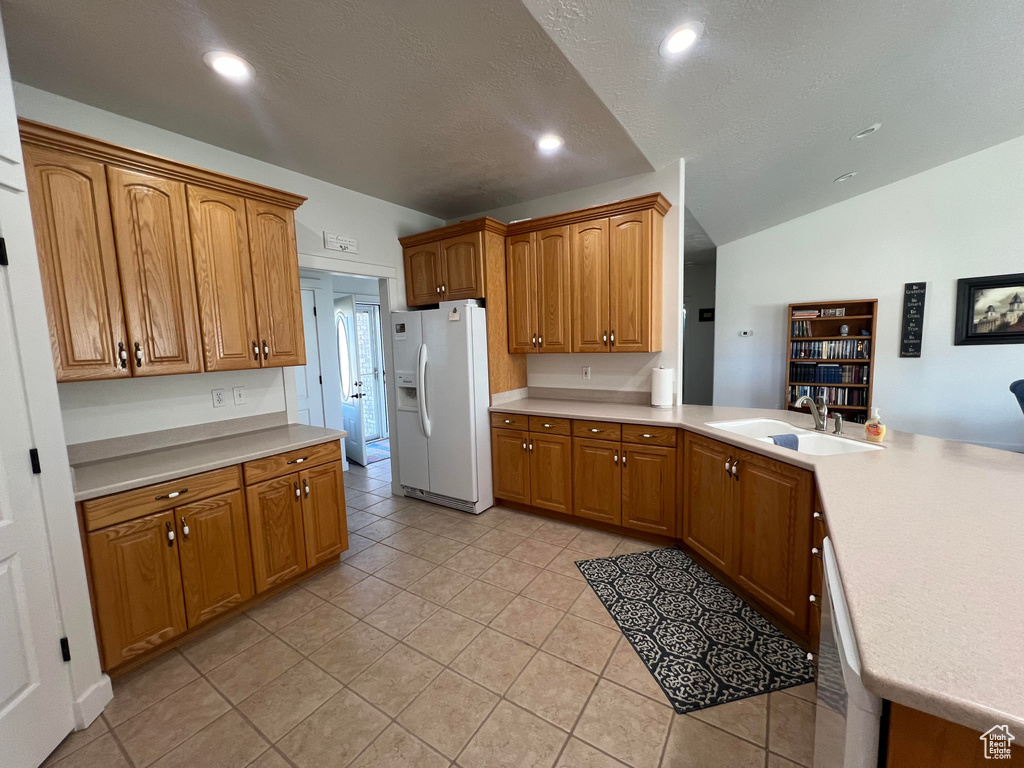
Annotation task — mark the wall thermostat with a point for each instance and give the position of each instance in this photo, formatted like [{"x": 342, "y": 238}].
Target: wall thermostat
[{"x": 746, "y": 333}]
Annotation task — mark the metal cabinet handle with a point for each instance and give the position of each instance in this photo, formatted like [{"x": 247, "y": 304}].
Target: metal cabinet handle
[
  {"x": 646, "y": 435},
  {"x": 616, "y": 457},
  {"x": 444, "y": 288},
  {"x": 439, "y": 289},
  {"x": 534, "y": 340},
  {"x": 613, "y": 338},
  {"x": 122, "y": 355},
  {"x": 184, "y": 529},
  {"x": 728, "y": 464},
  {"x": 623, "y": 458},
  {"x": 604, "y": 337},
  {"x": 812, "y": 598},
  {"x": 298, "y": 493},
  {"x": 810, "y": 657},
  {"x": 138, "y": 355},
  {"x": 299, "y": 460},
  {"x": 815, "y": 551},
  {"x": 736, "y": 468},
  {"x": 524, "y": 445},
  {"x": 170, "y": 535},
  {"x": 305, "y": 487},
  {"x": 172, "y": 495},
  {"x": 531, "y": 446},
  {"x": 594, "y": 430},
  {"x": 817, "y": 515},
  {"x": 508, "y": 421},
  {"x": 266, "y": 350},
  {"x": 547, "y": 426},
  {"x": 255, "y": 350},
  {"x": 540, "y": 341}
]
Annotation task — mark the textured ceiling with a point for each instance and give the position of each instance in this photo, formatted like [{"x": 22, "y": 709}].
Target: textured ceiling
[
  {"x": 433, "y": 105},
  {"x": 763, "y": 108}
]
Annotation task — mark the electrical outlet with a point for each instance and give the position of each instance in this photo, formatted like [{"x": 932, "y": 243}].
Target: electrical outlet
[
  {"x": 220, "y": 398},
  {"x": 239, "y": 394},
  {"x": 586, "y": 373}
]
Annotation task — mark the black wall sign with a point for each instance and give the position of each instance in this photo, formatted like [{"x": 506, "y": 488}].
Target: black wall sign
[
  {"x": 913, "y": 320},
  {"x": 706, "y": 315}
]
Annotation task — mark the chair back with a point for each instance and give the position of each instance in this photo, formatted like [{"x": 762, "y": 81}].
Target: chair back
[{"x": 1018, "y": 390}]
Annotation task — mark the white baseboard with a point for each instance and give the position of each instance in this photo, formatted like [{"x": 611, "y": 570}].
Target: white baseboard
[{"x": 90, "y": 704}]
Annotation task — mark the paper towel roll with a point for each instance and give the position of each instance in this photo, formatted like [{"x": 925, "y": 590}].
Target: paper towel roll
[{"x": 661, "y": 387}]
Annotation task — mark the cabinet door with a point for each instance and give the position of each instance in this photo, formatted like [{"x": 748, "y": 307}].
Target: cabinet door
[
  {"x": 220, "y": 253},
  {"x": 649, "y": 489},
  {"x": 590, "y": 286},
  {"x": 275, "y": 531},
  {"x": 423, "y": 274},
  {"x": 323, "y": 512},
  {"x": 596, "y": 480},
  {"x": 522, "y": 292},
  {"x": 554, "y": 301},
  {"x": 511, "y": 465},
  {"x": 462, "y": 267},
  {"x": 551, "y": 472},
  {"x": 151, "y": 230},
  {"x": 707, "y": 499},
  {"x": 137, "y": 585},
  {"x": 78, "y": 264},
  {"x": 773, "y": 535},
  {"x": 216, "y": 564},
  {"x": 275, "y": 278},
  {"x": 629, "y": 248}
]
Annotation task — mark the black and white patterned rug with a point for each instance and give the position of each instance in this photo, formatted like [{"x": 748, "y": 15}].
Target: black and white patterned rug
[{"x": 702, "y": 643}]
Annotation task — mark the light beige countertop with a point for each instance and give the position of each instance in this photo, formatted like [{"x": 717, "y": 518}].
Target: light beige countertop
[
  {"x": 929, "y": 538},
  {"x": 135, "y": 470}
]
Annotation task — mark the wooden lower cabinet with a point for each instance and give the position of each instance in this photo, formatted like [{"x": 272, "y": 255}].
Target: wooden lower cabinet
[
  {"x": 597, "y": 480},
  {"x": 510, "y": 458},
  {"x": 137, "y": 586},
  {"x": 649, "y": 489},
  {"x": 276, "y": 531},
  {"x": 551, "y": 472},
  {"x": 707, "y": 499},
  {"x": 323, "y": 512}
]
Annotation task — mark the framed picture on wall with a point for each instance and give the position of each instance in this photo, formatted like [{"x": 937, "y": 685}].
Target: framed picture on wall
[{"x": 990, "y": 310}]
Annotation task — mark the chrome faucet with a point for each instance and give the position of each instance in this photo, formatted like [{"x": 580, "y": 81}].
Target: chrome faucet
[{"x": 819, "y": 411}]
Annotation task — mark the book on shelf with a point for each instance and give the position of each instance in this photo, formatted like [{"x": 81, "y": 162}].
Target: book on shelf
[
  {"x": 829, "y": 373},
  {"x": 843, "y": 349},
  {"x": 832, "y": 395},
  {"x": 800, "y": 328},
  {"x": 799, "y": 313}
]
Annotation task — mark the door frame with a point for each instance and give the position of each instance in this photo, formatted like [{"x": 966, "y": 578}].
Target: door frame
[
  {"x": 314, "y": 287},
  {"x": 377, "y": 353}
]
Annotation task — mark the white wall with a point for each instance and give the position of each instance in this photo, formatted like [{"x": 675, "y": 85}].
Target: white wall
[
  {"x": 630, "y": 371},
  {"x": 93, "y": 410},
  {"x": 962, "y": 219},
  {"x": 698, "y": 337}
]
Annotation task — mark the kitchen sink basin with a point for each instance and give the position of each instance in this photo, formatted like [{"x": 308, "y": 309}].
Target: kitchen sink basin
[
  {"x": 759, "y": 428},
  {"x": 814, "y": 443}
]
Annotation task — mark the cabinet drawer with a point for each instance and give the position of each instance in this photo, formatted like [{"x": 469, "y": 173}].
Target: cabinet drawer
[
  {"x": 597, "y": 430},
  {"x": 634, "y": 433},
  {"x": 284, "y": 463},
  {"x": 548, "y": 426},
  {"x": 120, "y": 507},
  {"x": 510, "y": 420}
]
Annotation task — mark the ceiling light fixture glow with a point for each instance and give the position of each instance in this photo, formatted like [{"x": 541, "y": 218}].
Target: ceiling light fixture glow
[
  {"x": 867, "y": 131},
  {"x": 844, "y": 177},
  {"x": 681, "y": 39},
  {"x": 550, "y": 143},
  {"x": 228, "y": 65}
]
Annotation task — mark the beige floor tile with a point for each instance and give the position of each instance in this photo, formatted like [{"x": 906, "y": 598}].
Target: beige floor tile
[
  {"x": 746, "y": 718},
  {"x": 283, "y": 703},
  {"x": 527, "y": 620},
  {"x": 777, "y": 761},
  {"x": 630, "y": 546},
  {"x": 807, "y": 692},
  {"x": 564, "y": 563},
  {"x": 579, "y": 754},
  {"x": 522, "y": 524},
  {"x": 498, "y": 541},
  {"x": 308, "y": 633},
  {"x": 388, "y": 506},
  {"x": 396, "y": 678},
  {"x": 626, "y": 669},
  {"x": 100, "y": 753},
  {"x": 448, "y": 712},
  {"x": 791, "y": 728},
  {"x": 494, "y": 517},
  {"x": 480, "y": 602},
  {"x": 270, "y": 759},
  {"x": 75, "y": 740},
  {"x": 365, "y": 597},
  {"x": 157, "y": 730},
  {"x": 381, "y": 529},
  {"x": 494, "y": 660},
  {"x": 513, "y": 738},
  {"x": 405, "y": 570},
  {"x": 465, "y": 531},
  {"x": 401, "y": 614},
  {"x": 436, "y": 523},
  {"x": 582, "y": 642},
  {"x": 358, "y": 520},
  {"x": 334, "y": 734},
  {"x": 594, "y": 544},
  {"x": 439, "y": 549},
  {"x": 355, "y": 500},
  {"x": 626, "y": 725},
  {"x": 472, "y": 561},
  {"x": 589, "y": 606},
  {"x": 510, "y": 574},
  {"x": 148, "y": 685},
  {"x": 693, "y": 744},
  {"x": 214, "y": 648},
  {"x": 397, "y": 748},
  {"x": 555, "y": 533},
  {"x": 554, "y": 689},
  {"x": 441, "y": 585},
  {"x": 333, "y": 581},
  {"x": 344, "y": 657},
  {"x": 284, "y": 609},
  {"x": 408, "y": 539},
  {"x": 534, "y": 552},
  {"x": 373, "y": 558},
  {"x": 253, "y": 668},
  {"x": 444, "y": 635},
  {"x": 356, "y": 544},
  {"x": 228, "y": 742},
  {"x": 554, "y": 589},
  {"x": 368, "y": 484},
  {"x": 409, "y": 514}
]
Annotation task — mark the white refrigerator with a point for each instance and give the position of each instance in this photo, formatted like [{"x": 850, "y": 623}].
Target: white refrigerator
[{"x": 444, "y": 438}]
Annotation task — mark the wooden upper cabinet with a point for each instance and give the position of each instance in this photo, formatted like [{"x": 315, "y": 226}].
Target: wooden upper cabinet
[
  {"x": 590, "y": 286},
  {"x": 423, "y": 274},
  {"x": 707, "y": 499},
  {"x": 216, "y": 564},
  {"x": 323, "y": 512},
  {"x": 275, "y": 277},
  {"x": 632, "y": 283},
  {"x": 597, "y": 480},
  {"x": 520, "y": 262},
  {"x": 551, "y": 472},
  {"x": 224, "y": 290},
  {"x": 276, "y": 531},
  {"x": 78, "y": 264},
  {"x": 649, "y": 489},
  {"x": 136, "y": 581},
  {"x": 511, "y": 465},
  {"x": 151, "y": 231},
  {"x": 554, "y": 297},
  {"x": 462, "y": 267},
  {"x": 773, "y": 534}
]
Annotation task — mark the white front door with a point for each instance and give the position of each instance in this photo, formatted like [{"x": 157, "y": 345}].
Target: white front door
[
  {"x": 351, "y": 384},
  {"x": 309, "y": 389},
  {"x": 35, "y": 692},
  {"x": 371, "y": 372}
]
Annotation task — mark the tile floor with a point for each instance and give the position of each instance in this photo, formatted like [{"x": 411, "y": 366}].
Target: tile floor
[{"x": 441, "y": 639}]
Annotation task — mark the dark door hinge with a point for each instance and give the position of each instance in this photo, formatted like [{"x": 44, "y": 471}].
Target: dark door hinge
[
  {"x": 33, "y": 456},
  {"x": 65, "y": 649},
  {"x": 314, "y": 311},
  {"x": 321, "y": 379},
  {"x": 3, "y": 252}
]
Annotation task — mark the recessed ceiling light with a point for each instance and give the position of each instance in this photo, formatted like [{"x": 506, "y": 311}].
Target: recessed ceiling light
[
  {"x": 681, "y": 39},
  {"x": 867, "y": 131},
  {"x": 550, "y": 143},
  {"x": 228, "y": 65},
  {"x": 844, "y": 177}
]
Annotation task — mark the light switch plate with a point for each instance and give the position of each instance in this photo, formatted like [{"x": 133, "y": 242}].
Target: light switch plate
[
  {"x": 586, "y": 373},
  {"x": 220, "y": 398},
  {"x": 239, "y": 395}
]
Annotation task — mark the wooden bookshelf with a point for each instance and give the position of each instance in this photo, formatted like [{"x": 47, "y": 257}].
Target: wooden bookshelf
[{"x": 860, "y": 315}]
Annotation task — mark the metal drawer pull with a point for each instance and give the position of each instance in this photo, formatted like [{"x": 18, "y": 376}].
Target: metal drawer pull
[
  {"x": 646, "y": 435},
  {"x": 548, "y": 426},
  {"x": 305, "y": 486},
  {"x": 298, "y": 493},
  {"x": 531, "y": 446},
  {"x": 813, "y": 598},
  {"x": 443, "y": 288},
  {"x": 815, "y": 551},
  {"x": 540, "y": 341},
  {"x": 613, "y": 338},
  {"x": 266, "y": 349},
  {"x": 616, "y": 457},
  {"x": 255, "y": 350},
  {"x": 623, "y": 458},
  {"x": 736, "y": 467},
  {"x": 728, "y": 464},
  {"x": 170, "y": 535},
  {"x": 138, "y": 355},
  {"x": 172, "y": 494},
  {"x": 604, "y": 337},
  {"x": 524, "y": 445},
  {"x": 122, "y": 355},
  {"x": 508, "y": 421},
  {"x": 810, "y": 657},
  {"x": 817, "y": 515},
  {"x": 298, "y": 461},
  {"x": 184, "y": 529}
]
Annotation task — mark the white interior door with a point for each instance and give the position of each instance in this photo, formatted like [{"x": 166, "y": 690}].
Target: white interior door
[
  {"x": 351, "y": 391},
  {"x": 371, "y": 372},
  {"x": 308, "y": 385}
]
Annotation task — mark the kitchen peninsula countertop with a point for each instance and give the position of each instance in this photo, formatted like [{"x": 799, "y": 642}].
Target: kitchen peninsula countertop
[{"x": 929, "y": 540}]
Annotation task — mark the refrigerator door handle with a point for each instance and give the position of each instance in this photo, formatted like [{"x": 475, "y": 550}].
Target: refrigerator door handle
[{"x": 421, "y": 374}]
